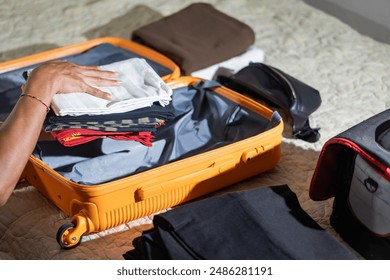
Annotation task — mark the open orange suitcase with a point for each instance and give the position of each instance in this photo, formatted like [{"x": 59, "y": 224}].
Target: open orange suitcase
[{"x": 237, "y": 138}]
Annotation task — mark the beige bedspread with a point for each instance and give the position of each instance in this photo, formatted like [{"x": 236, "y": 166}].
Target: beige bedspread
[{"x": 351, "y": 71}]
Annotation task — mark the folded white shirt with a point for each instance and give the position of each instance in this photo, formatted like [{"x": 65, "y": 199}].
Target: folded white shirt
[
  {"x": 236, "y": 63},
  {"x": 141, "y": 87}
]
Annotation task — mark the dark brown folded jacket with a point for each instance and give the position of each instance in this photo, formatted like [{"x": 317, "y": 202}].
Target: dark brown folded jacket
[{"x": 196, "y": 37}]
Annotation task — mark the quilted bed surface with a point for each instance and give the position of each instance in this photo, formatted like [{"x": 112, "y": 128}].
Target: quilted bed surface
[{"x": 351, "y": 71}]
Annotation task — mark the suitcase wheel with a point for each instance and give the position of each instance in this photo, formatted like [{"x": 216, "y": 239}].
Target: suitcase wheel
[{"x": 65, "y": 238}]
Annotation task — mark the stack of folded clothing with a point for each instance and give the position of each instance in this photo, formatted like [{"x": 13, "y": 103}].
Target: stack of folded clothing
[{"x": 139, "y": 106}]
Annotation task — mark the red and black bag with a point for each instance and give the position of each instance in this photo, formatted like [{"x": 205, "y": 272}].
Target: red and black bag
[{"x": 354, "y": 168}]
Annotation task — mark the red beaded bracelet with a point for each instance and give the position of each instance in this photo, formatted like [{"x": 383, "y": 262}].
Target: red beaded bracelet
[{"x": 36, "y": 98}]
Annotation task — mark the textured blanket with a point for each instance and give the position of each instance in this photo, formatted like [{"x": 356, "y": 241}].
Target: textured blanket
[{"x": 351, "y": 71}]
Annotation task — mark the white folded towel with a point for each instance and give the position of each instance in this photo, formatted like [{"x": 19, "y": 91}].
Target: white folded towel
[
  {"x": 235, "y": 63},
  {"x": 141, "y": 87}
]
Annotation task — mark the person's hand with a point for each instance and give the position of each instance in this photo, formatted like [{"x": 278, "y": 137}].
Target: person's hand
[{"x": 59, "y": 76}]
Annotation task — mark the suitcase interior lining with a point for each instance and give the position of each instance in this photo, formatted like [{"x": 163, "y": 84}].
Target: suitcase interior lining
[{"x": 204, "y": 120}]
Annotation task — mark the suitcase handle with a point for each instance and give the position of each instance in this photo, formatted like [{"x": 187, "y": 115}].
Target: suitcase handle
[
  {"x": 252, "y": 153},
  {"x": 189, "y": 179},
  {"x": 366, "y": 135}
]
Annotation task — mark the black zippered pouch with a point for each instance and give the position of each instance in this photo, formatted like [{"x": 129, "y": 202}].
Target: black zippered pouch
[{"x": 279, "y": 90}]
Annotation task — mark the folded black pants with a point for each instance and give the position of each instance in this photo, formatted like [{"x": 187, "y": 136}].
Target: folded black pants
[{"x": 261, "y": 223}]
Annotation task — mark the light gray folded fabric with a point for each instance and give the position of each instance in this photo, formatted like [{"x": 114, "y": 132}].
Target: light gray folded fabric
[{"x": 234, "y": 64}]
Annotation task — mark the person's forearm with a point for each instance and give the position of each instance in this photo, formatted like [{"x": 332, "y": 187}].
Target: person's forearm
[
  {"x": 18, "y": 136},
  {"x": 20, "y": 132}
]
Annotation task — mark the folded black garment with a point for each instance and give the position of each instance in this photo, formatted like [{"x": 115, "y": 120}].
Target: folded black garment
[
  {"x": 261, "y": 223},
  {"x": 278, "y": 89},
  {"x": 196, "y": 37},
  {"x": 143, "y": 119}
]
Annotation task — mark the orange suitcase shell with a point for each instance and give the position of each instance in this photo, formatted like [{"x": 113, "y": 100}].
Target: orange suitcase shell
[{"x": 102, "y": 206}]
